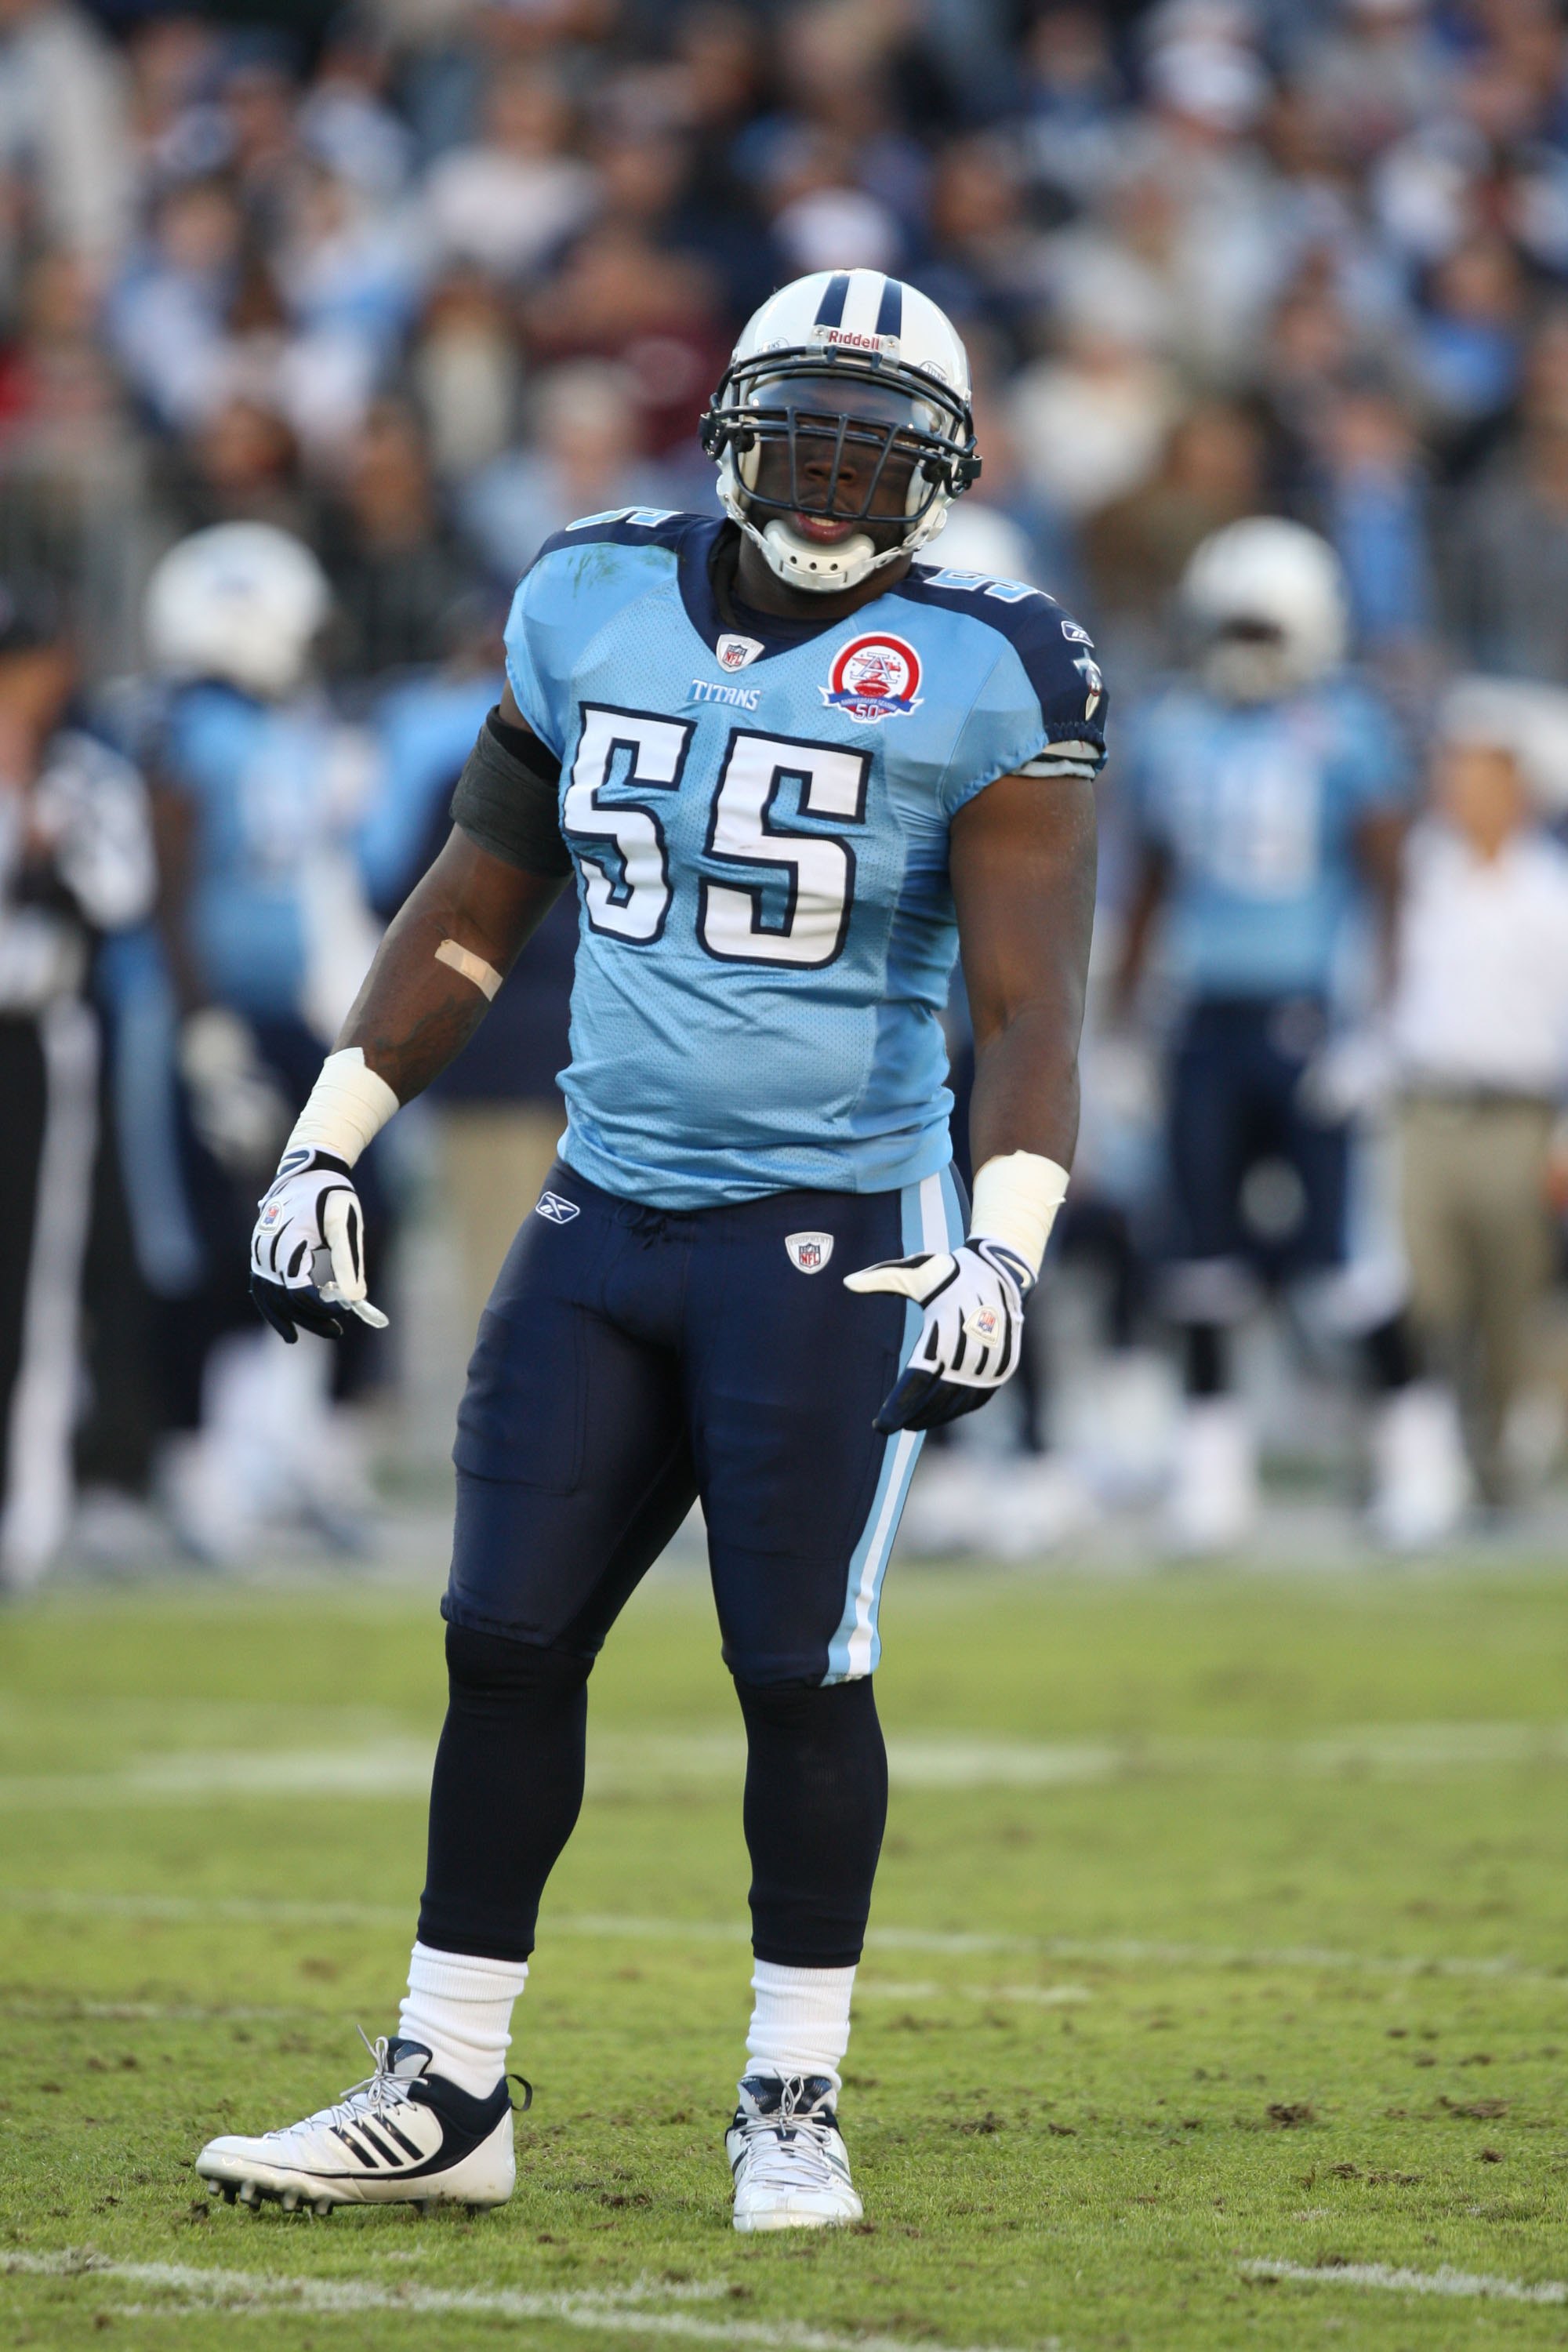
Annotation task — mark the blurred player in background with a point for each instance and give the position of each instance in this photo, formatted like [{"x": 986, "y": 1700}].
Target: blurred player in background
[
  {"x": 1267, "y": 789},
  {"x": 791, "y": 770},
  {"x": 76, "y": 861},
  {"x": 266, "y": 934}
]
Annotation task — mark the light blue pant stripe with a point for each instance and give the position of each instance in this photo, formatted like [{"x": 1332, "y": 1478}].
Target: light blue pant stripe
[{"x": 933, "y": 1219}]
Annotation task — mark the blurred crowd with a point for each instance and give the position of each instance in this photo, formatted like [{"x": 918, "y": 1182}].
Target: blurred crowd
[{"x": 411, "y": 287}]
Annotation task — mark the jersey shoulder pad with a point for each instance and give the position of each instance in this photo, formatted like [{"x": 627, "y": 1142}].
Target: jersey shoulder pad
[
  {"x": 1369, "y": 745},
  {"x": 206, "y": 726},
  {"x": 580, "y": 580},
  {"x": 663, "y": 527},
  {"x": 1055, "y": 652}
]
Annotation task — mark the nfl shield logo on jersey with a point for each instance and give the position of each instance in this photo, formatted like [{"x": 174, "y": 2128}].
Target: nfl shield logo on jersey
[
  {"x": 809, "y": 1252},
  {"x": 873, "y": 679},
  {"x": 737, "y": 652}
]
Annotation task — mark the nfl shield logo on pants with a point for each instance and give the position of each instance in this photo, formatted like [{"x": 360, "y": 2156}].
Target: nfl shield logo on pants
[{"x": 809, "y": 1252}]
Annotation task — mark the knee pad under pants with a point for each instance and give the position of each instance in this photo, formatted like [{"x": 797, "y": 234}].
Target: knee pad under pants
[
  {"x": 816, "y": 1804},
  {"x": 506, "y": 1793}
]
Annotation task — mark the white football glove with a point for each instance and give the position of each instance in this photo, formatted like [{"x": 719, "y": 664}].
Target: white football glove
[
  {"x": 970, "y": 1343},
  {"x": 307, "y": 1253}
]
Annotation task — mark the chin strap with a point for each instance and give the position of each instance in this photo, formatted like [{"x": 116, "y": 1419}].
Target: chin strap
[
  {"x": 828, "y": 569},
  {"x": 810, "y": 563}
]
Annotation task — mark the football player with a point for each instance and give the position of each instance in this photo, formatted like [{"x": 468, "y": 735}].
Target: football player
[
  {"x": 788, "y": 769},
  {"x": 1268, "y": 790},
  {"x": 266, "y": 935}
]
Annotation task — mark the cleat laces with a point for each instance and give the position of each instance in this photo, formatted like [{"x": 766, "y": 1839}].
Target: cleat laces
[
  {"x": 374, "y": 2097},
  {"x": 787, "y": 2146}
]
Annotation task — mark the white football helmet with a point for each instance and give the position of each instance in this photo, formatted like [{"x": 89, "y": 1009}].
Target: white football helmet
[
  {"x": 1265, "y": 600},
  {"x": 242, "y": 602},
  {"x": 858, "y": 360}
]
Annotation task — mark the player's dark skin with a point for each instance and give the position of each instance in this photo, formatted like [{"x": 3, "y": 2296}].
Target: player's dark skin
[{"x": 1022, "y": 863}]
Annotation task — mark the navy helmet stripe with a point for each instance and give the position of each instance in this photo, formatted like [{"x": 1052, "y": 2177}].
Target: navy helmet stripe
[
  {"x": 834, "y": 294},
  {"x": 890, "y": 315}
]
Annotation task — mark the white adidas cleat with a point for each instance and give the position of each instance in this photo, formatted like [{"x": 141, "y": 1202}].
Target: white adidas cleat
[
  {"x": 790, "y": 2168},
  {"x": 402, "y": 2137}
]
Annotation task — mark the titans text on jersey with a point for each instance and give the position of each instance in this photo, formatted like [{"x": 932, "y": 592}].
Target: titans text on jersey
[{"x": 759, "y": 827}]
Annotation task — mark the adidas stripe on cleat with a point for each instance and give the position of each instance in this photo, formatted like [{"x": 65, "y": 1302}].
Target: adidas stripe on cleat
[
  {"x": 791, "y": 2166},
  {"x": 404, "y": 2135}
]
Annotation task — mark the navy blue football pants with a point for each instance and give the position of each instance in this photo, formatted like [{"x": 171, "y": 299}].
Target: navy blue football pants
[
  {"x": 630, "y": 1361},
  {"x": 1236, "y": 1099}
]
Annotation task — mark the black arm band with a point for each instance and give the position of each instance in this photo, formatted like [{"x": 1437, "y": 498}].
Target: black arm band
[{"x": 508, "y": 797}]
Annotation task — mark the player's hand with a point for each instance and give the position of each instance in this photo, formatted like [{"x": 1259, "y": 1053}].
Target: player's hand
[
  {"x": 973, "y": 1330},
  {"x": 1351, "y": 1077},
  {"x": 307, "y": 1254},
  {"x": 237, "y": 1108}
]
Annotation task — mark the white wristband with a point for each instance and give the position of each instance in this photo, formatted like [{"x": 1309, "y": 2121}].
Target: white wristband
[
  {"x": 1017, "y": 1196},
  {"x": 349, "y": 1104}
]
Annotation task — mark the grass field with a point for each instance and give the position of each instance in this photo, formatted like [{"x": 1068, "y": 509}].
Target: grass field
[{"x": 1217, "y": 1992}]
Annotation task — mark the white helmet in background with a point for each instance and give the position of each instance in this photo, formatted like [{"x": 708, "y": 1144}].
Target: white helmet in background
[
  {"x": 1265, "y": 600},
  {"x": 978, "y": 538},
  {"x": 242, "y": 602},
  {"x": 866, "y": 359}
]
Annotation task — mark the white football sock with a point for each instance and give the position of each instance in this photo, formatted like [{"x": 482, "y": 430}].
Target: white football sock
[
  {"x": 460, "y": 2009},
  {"x": 800, "y": 2020}
]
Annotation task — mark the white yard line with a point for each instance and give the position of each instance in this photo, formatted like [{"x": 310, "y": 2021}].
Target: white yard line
[
  {"x": 642, "y": 1763},
  {"x": 1466, "y": 2285},
  {"x": 185, "y": 2287},
  {"x": 67, "y": 2010},
  {"x": 616, "y": 1927},
  {"x": 1038, "y": 1996}
]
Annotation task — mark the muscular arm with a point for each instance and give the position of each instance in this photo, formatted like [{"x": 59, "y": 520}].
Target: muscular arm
[
  {"x": 173, "y": 831},
  {"x": 1150, "y": 888},
  {"x": 1022, "y": 856},
  {"x": 413, "y": 1014},
  {"x": 1378, "y": 844}
]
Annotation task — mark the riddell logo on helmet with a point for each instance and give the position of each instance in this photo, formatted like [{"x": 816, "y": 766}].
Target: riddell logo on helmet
[
  {"x": 873, "y": 679},
  {"x": 847, "y": 338}
]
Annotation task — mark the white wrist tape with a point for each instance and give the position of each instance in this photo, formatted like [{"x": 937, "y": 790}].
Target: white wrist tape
[
  {"x": 349, "y": 1104},
  {"x": 485, "y": 976},
  {"x": 1017, "y": 1196}
]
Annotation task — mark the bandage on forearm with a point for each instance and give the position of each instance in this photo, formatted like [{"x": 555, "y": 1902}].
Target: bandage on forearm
[
  {"x": 485, "y": 976},
  {"x": 349, "y": 1104},
  {"x": 1017, "y": 1196}
]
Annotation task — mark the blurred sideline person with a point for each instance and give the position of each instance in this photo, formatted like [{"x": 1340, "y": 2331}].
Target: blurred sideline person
[
  {"x": 76, "y": 861},
  {"x": 790, "y": 770},
  {"x": 258, "y": 795},
  {"x": 1267, "y": 789},
  {"x": 1478, "y": 1025}
]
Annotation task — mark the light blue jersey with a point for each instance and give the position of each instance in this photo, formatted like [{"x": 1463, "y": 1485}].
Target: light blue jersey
[
  {"x": 760, "y": 829},
  {"x": 260, "y": 778},
  {"x": 1256, "y": 807}
]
